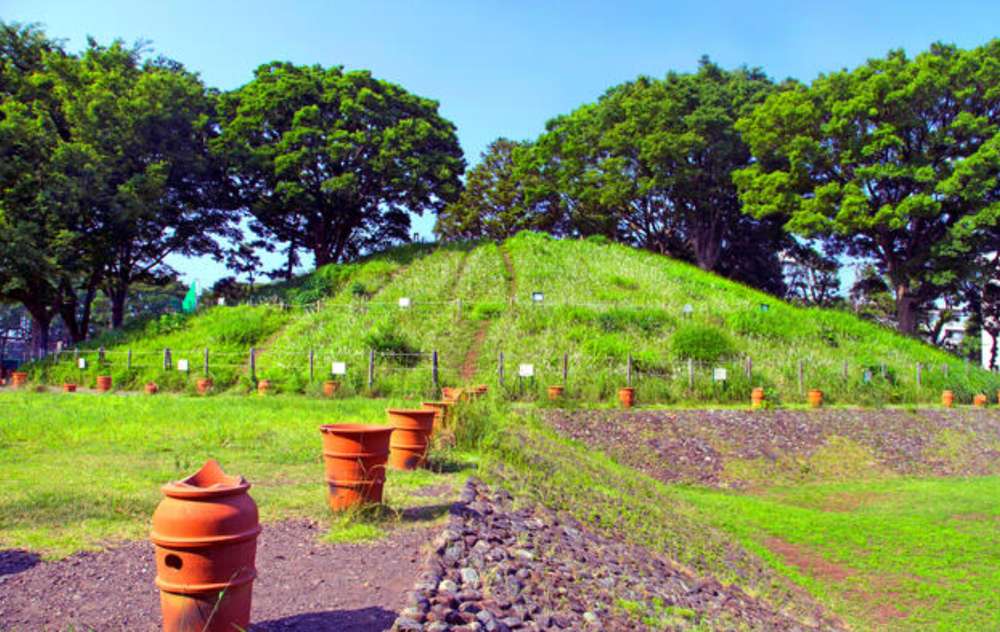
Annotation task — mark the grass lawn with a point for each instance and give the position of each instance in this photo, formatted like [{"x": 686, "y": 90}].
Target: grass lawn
[
  {"x": 881, "y": 553},
  {"x": 81, "y": 470},
  {"x": 895, "y": 554}
]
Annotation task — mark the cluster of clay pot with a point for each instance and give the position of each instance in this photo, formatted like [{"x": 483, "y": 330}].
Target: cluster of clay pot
[
  {"x": 205, "y": 529},
  {"x": 980, "y": 400}
]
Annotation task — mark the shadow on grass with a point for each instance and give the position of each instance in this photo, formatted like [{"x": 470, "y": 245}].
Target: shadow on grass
[
  {"x": 425, "y": 513},
  {"x": 372, "y": 619},
  {"x": 448, "y": 464},
  {"x": 14, "y": 561}
]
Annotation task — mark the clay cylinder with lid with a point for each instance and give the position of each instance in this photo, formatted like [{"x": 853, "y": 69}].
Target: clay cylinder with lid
[{"x": 205, "y": 535}]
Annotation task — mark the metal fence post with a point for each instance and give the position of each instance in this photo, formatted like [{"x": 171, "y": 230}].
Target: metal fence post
[
  {"x": 500, "y": 376},
  {"x": 253, "y": 364},
  {"x": 919, "y": 374},
  {"x": 100, "y": 355},
  {"x": 434, "y": 368},
  {"x": 205, "y": 363},
  {"x": 166, "y": 359},
  {"x": 690, "y": 374},
  {"x": 312, "y": 365},
  {"x": 128, "y": 359},
  {"x": 802, "y": 379},
  {"x": 628, "y": 370},
  {"x": 846, "y": 371},
  {"x": 565, "y": 370},
  {"x": 749, "y": 368},
  {"x": 371, "y": 369}
]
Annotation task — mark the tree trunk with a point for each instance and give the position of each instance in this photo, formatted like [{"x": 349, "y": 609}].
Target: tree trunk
[
  {"x": 40, "y": 334},
  {"x": 906, "y": 310},
  {"x": 118, "y": 297}
]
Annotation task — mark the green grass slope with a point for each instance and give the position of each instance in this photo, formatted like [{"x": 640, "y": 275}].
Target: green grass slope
[{"x": 603, "y": 303}]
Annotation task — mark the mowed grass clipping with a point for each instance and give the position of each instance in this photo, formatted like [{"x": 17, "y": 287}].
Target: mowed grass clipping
[{"x": 79, "y": 471}]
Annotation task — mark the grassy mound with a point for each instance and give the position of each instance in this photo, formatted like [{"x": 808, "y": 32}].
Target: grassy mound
[{"x": 603, "y": 307}]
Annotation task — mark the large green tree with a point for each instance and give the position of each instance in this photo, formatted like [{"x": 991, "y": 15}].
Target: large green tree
[
  {"x": 335, "y": 161},
  {"x": 893, "y": 160},
  {"x": 498, "y": 200},
  {"x": 153, "y": 191},
  {"x": 36, "y": 246},
  {"x": 650, "y": 163}
]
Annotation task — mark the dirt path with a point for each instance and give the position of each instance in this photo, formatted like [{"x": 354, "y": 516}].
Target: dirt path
[
  {"x": 303, "y": 584},
  {"x": 472, "y": 355}
]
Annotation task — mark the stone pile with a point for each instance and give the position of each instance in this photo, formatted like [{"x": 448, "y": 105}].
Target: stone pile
[{"x": 496, "y": 568}]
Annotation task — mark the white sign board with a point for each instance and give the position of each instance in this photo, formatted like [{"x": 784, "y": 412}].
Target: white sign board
[
  {"x": 526, "y": 370},
  {"x": 339, "y": 368},
  {"x": 222, "y": 300},
  {"x": 720, "y": 374},
  {"x": 404, "y": 301},
  {"x": 688, "y": 308},
  {"x": 182, "y": 365},
  {"x": 81, "y": 363},
  {"x": 537, "y": 297}
]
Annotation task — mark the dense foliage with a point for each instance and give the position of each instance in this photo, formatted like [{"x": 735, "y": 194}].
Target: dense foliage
[
  {"x": 895, "y": 161},
  {"x": 334, "y": 161}
]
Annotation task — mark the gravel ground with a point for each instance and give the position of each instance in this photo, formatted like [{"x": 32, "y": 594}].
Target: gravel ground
[
  {"x": 303, "y": 584},
  {"x": 696, "y": 445},
  {"x": 496, "y": 568}
]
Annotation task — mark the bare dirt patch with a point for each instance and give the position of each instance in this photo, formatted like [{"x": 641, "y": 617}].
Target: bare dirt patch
[
  {"x": 810, "y": 562},
  {"x": 303, "y": 584}
]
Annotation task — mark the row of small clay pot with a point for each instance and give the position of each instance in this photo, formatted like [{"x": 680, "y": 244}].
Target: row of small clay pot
[{"x": 205, "y": 529}]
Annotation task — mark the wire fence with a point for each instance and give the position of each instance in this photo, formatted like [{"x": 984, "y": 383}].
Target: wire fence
[{"x": 519, "y": 375}]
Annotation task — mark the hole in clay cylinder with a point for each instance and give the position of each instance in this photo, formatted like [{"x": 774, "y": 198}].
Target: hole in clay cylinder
[{"x": 173, "y": 561}]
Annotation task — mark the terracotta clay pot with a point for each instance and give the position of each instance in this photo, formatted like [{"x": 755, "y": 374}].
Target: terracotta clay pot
[
  {"x": 204, "y": 385},
  {"x": 69, "y": 388},
  {"x": 152, "y": 388},
  {"x": 263, "y": 386},
  {"x": 451, "y": 394},
  {"x": 815, "y": 397},
  {"x": 626, "y": 395},
  {"x": 440, "y": 413},
  {"x": 555, "y": 392},
  {"x": 979, "y": 401},
  {"x": 354, "y": 456},
  {"x": 103, "y": 383},
  {"x": 757, "y": 397},
  {"x": 330, "y": 387},
  {"x": 18, "y": 379},
  {"x": 411, "y": 430},
  {"x": 947, "y": 399},
  {"x": 205, "y": 535}
]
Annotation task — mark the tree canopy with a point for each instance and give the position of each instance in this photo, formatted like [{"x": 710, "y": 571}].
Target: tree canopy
[
  {"x": 335, "y": 161},
  {"x": 895, "y": 161},
  {"x": 650, "y": 164},
  {"x": 499, "y": 198}
]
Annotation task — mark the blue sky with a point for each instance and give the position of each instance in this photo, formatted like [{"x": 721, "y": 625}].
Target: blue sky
[{"x": 504, "y": 68}]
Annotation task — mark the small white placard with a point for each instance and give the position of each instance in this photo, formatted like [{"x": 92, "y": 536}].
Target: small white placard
[
  {"x": 538, "y": 297},
  {"x": 720, "y": 374},
  {"x": 339, "y": 368},
  {"x": 404, "y": 301},
  {"x": 526, "y": 370},
  {"x": 222, "y": 300},
  {"x": 81, "y": 363},
  {"x": 182, "y": 366},
  {"x": 688, "y": 308}
]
